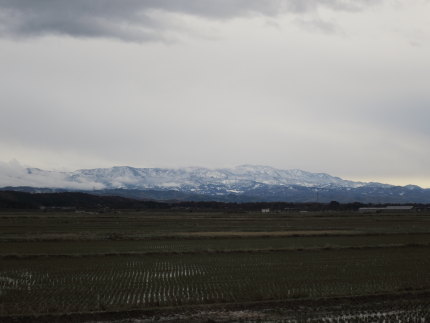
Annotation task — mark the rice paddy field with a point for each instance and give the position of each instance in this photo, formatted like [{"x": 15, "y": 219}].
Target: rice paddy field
[{"x": 186, "y": 266}]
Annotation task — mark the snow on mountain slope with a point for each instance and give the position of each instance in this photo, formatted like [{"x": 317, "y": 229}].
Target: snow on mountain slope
[{"x": 191, "y": 179}]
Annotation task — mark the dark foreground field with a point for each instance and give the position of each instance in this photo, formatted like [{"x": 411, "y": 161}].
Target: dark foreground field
[{"x": 182, "y": 266}]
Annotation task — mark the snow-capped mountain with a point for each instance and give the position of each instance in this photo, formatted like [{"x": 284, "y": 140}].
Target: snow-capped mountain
[
  {"x": 239, "y": 183},
  {"x": 194, "y": 179}
]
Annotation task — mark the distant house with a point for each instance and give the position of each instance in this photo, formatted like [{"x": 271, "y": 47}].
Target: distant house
[
  {"x": 387, "y": 209},
  {"x": 265, "y": 210}
]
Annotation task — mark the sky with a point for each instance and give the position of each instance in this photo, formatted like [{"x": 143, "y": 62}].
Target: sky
[{"x": 333, "y": 86}]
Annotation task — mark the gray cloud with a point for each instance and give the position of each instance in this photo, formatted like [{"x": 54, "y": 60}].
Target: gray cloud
[
  {"x": 134, "y": 20},
  {"x": 14, "y": 174},
  {"x": 355, "y": 105}
]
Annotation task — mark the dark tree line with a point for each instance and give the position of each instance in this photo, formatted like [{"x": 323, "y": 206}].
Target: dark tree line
[{"x": 67, "y": 200}]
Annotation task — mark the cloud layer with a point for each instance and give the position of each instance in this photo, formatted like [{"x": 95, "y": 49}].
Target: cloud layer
[
  {"x": 139, "y": 20},
  {"x": 14, "y": 174},
  {"x": 245, "y": 82}
]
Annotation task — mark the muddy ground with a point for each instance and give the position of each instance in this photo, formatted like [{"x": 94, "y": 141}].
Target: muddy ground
[{"x": 405, "y": 307}]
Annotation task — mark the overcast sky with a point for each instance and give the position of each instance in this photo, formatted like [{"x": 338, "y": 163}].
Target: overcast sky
[{"x": 334, "y": 86}]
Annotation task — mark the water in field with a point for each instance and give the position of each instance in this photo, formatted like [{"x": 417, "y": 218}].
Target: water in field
[
  {"x": 398, "y": 310},
  {"x": 61, "y": 284}
]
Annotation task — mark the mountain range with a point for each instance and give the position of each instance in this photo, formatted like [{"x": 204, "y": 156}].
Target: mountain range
[{"x": 246, "y": 183}]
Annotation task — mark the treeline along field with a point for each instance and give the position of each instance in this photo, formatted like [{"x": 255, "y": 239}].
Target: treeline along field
[{"x": 124, "y": 260}]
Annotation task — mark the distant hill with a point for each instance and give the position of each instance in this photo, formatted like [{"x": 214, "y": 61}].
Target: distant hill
[
  {"x": 244, "y": 183},
  {"x": 289, "y": 194},
  {"x": 24, "y": 200}
]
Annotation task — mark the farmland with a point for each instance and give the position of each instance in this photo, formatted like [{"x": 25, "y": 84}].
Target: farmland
[{"x": 119, "y": 262}]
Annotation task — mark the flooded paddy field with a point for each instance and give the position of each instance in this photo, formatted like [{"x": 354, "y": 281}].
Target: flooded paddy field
[{"x": 310, "y": 261}]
